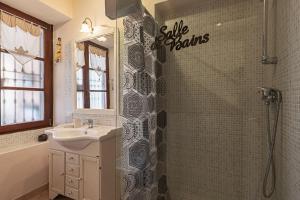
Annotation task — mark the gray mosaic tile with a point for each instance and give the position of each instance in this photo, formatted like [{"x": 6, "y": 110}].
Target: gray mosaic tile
[
  {"x": 158, "y": 137},
  {"x": 162, "y": 184},
  {"x": 148, "y": 177},
  {"x": 130, "y": 182},
  {"x": 128, "y": 80},
  {"x": 149, "y": 25},
  {"x": 129, "y": 29},
  {"x": 136, "y": 56},
  {"x": 139, "y": 154},
  {"x": 158, "y": 69},
  {"x": 162, "y": 119},
  {"x": 142, "y": 82},
  {"x": 132, "y": 105},
  {"x": 149, "y": 63},
  {"x": 151, "y": 103},
  {"x": 161, "y": 86},
  {"x": 161, "y": 54}
]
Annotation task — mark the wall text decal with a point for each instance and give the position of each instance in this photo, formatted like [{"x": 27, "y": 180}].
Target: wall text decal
[{"x": 173, "y": 38}]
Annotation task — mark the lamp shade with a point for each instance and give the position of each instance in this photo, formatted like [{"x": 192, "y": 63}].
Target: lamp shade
[{"x": 85, "y": 28}]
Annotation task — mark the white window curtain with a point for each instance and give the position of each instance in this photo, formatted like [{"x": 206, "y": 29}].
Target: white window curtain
[
  {"x": 97, "y": 58},
  {"x": 20, "y": 38},
  {"x": 79, "y": 56}
]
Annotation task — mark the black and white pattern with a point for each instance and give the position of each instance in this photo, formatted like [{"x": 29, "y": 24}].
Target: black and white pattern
[
  {"x": 136, "y": 56},
  {"x": 143, "y": 147},
  {"x": 133, "y": 105},
  {"x": 128, "y": 81},
  {"x": 142, "y": 82},
  {"x": 139, "y": 154},
  {"x": 149, "y": 64},
  {"x": 129, "y": 29},
  {"x": 149, "y": 25},
  {"x": 131, "y": 182}
]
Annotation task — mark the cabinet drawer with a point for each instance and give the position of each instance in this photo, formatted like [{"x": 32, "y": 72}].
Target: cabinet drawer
[
  {"x": 72, "y": 170},
  {"x": 72, "y": 182},
  {"x": 72, "y": 158},
  {"x": 72, "y": 193}
]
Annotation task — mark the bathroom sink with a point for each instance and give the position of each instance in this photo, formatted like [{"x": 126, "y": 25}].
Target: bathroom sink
[{"x": 78, "y": 138}]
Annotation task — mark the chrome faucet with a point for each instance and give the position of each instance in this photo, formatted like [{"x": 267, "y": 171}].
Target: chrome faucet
[{"x": 90, "y": 123}]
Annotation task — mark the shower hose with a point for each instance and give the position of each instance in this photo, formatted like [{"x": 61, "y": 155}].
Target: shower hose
[{"x": 271, "y": 144}]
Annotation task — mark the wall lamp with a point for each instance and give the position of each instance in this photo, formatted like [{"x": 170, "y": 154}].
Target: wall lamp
[{"x": 86, "y": 27}]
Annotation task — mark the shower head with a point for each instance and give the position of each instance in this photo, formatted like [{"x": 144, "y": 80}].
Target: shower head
[{"x": 270, "y": 95}]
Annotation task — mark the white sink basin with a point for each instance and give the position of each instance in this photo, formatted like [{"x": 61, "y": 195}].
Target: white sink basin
[{"x": 78, "y": 138}]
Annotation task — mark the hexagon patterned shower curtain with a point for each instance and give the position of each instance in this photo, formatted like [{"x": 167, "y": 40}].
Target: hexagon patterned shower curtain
[{"x": 144, "y": 120}]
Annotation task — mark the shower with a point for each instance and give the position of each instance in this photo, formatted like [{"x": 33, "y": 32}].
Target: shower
[{"x": 273, "y": 97}]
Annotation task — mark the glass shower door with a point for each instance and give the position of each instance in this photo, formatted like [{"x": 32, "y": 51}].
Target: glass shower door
[{"x": 192, "y": 120}]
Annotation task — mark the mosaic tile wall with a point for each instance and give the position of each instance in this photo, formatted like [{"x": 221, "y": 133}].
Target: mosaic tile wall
[
  {"x": 20, "y": 138},
  {"x": 143, "y": 151},
  {"x": 216, "y": 140},
  {"x": 286, "y": 78}
]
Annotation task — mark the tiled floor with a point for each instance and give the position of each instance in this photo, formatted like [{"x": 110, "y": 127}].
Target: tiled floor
[{"x": 43, "y": 195}]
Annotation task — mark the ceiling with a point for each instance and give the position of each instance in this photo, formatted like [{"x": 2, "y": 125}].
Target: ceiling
[{"x": 40, "y": 10}]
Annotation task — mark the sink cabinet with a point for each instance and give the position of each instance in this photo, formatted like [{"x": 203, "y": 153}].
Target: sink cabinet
[
  {"x": 90, "y": 169},
  {"x": 57, "y": 171},
  {"x": 88, "y": 174}
]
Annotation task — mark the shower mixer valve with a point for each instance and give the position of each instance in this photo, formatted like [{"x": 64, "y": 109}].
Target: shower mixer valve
[{"x": 270, "y": 95}]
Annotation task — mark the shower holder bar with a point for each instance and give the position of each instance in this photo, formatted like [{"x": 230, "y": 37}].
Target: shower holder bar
[{"x": 266, "y": 59}]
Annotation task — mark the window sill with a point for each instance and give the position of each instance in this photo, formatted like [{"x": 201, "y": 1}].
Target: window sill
[{"x": 23, "y": 127}]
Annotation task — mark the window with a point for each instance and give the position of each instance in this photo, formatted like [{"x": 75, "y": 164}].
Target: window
[
  {"x": 92, "y": 76},
  {"x": 26, "y": 71}
]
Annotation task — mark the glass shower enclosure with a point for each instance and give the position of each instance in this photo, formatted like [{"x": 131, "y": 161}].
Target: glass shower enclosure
[{"x": 193, "y": 123}]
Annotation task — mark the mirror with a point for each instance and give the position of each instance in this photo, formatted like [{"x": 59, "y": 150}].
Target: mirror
[{"x": 96, "y": 72}]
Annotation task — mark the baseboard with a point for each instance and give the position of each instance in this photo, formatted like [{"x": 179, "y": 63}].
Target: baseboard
[{"x": 33, "y": 192}]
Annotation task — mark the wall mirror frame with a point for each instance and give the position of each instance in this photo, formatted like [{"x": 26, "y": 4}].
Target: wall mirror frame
[{"x": 113, "y": 76}]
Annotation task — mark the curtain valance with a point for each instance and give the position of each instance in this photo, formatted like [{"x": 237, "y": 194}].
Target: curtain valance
[
  {"x": 20, "y": 38},
  {"x": 97, "y": 58},
  {"x": 13, "y": 21},
  {"x": 97, "y": 51}
]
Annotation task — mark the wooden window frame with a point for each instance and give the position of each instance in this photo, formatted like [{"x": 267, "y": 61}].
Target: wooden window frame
[
  {"x": 48, "y": 76},
  {"x": 86, "y": 84}
]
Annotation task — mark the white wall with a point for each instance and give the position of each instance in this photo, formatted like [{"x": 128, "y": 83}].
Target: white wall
[
  {"x": 65, "y": 6},
  {"x": 63, "y": 95},
  {"x": 23, "y": 169}
]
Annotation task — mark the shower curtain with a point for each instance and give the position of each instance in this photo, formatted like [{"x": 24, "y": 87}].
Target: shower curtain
[{"x": 143, "y": 157}]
